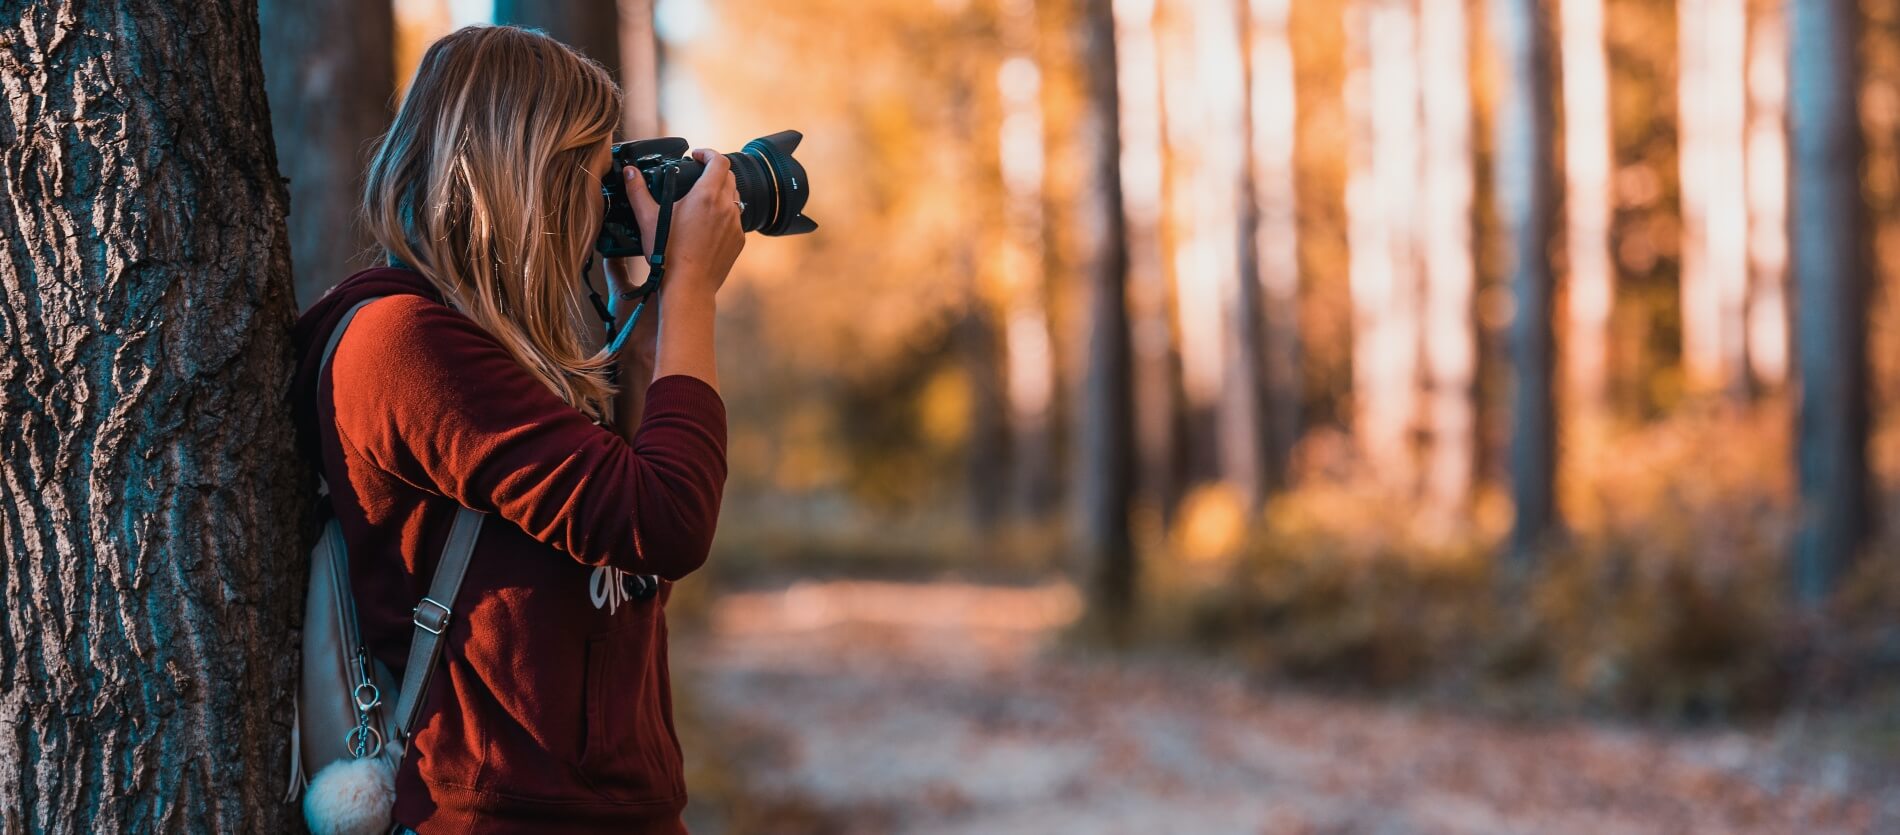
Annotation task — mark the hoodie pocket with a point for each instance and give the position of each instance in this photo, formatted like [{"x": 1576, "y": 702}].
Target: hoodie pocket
[{"x": 629, "y": 754}]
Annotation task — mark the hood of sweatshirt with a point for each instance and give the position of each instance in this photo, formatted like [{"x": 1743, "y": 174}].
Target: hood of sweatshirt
[{"x": 313, "y": 329}]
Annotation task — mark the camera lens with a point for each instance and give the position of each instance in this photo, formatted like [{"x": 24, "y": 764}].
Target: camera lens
[{"x": 773, "y": 185}]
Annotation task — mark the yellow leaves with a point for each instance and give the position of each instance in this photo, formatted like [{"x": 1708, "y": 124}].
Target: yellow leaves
[
  {"x": 943, "y": 409},
  {"x": 1212, "y": 524},
  {"x": 806, "y": 461}
]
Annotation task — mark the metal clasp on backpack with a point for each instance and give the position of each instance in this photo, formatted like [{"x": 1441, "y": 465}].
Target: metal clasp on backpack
[
  {"x": 437, "y": 618},
  {"x": 364, "y": 740}
]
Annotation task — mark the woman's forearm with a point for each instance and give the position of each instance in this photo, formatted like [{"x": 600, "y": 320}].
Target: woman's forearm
[
  {"x": 630, "y": 403},
  {"x": 686, "y": 335}
]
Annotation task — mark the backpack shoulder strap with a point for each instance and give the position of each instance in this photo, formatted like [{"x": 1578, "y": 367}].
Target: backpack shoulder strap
[{"x": 431, "y": 615}]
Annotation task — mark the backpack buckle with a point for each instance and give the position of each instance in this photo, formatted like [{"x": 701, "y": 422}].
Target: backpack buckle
[{"x": 434, "y": 620}]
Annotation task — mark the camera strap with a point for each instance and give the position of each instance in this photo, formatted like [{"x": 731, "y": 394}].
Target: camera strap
[{"x": 656, "y": 270}]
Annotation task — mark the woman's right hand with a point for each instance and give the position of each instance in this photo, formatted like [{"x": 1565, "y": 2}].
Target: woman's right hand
[{"x": 705, "y": 238}]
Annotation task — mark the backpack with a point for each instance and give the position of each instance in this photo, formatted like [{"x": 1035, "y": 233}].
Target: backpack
[{"x": 347, "y": 738}]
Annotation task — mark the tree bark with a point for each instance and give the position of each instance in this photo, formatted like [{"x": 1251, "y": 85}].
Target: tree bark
[
  {"x": 591, "y": 26},
  {"x": 1104, "y": 465},
  {"x": 330, "y": 97},
  {"x": 1527, "y": 204},
  {"x": 150, "y": 494},
  {"x": 1831, "y": 256}
]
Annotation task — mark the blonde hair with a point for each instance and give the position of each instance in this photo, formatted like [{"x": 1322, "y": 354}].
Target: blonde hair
[{"x": 480, "y": 185}]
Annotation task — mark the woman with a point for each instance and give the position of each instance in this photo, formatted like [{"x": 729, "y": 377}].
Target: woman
[{"x": 473, "y": 382}]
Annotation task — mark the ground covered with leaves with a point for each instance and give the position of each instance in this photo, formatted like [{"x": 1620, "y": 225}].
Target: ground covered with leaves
[{"x": 938, "y": 707}]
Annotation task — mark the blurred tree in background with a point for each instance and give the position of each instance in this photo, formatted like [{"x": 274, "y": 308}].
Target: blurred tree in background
[{"x": 330, "y": 98}]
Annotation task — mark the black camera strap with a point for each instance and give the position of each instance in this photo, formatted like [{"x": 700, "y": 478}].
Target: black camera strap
[{"x": 656, "y": 270}]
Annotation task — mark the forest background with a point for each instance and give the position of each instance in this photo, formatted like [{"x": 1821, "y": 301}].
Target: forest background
[{"x": 1530, "y": 359}]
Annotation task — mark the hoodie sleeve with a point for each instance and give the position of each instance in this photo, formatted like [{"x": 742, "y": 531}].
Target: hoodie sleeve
[{"x": 427, "y": 395}]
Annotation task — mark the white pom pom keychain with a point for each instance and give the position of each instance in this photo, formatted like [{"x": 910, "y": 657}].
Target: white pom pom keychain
[{"x": 351, "y": 797}]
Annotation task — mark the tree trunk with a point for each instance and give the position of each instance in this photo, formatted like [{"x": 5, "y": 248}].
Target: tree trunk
[
  {"x": 1104, "y": 471},
  {"x": 1157, "y": 377},
  {"x": 1450, "y": 336},
  {"x": 1382, "y": 195},
  {"x": 1023, "y": 255},
  {"x": 151, "y": 496},
  {"x": 591, "y": 26},
  {"x": 330, "y": 96},
  {"x": 1592, "y": 276},
  {"x": 640, "y": 68},
  {"x": 1204, "y": 114},
  {"x": 1831, "y": 259},
  {"x": 986, "y": 452},
  {"x": 1272, "y": 125},
  {"x": 1527, "y": 206},
  {"x": 1243, "y": 396},
  {"x": 1768, "y": 196},
  {"x": 1713, "y": 102}
]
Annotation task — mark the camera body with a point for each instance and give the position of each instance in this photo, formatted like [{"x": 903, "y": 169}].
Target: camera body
[{"x": 772, "y": 186}]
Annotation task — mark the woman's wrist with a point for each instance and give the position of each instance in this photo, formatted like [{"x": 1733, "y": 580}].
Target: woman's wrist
[
  {"x": 687, "y": 316},
  {"x": 690, "y": 293}
]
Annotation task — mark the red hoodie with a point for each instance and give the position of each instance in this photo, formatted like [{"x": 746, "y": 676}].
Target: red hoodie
[{"x": 551, "y": 711}]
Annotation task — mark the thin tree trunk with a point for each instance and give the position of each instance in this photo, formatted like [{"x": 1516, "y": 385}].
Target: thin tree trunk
[
  {"x": 1144, "y": 187},
  {"x": 591, "y": 26},
  {"x": 986, "y": 456},
  {"x": 1104, "y": 466},
  {"x": 1029, "y": 364},
  {"x": 1381, "y": 206},
  {"x": 1527, "y": 205},
  {"x": 330, "y": 96},
  {"x": 1713, "y": 104},
  {"x": 1199, "y": 58},
  {"x": 1831, "y": 256},
  {"x": 1592, "y": 276},
  {"x": 640, "y": 68},
  {"x": 1768, "y": 196},
  {"x": 1273, "y": 124},
  {"x": 1243, "y": 398},
  {"x": 150, "y": 494},
  {"x": 1450, "y": 349}
]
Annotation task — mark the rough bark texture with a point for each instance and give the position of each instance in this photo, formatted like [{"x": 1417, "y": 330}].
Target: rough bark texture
[
  {"x": 591, "y": 26},
  {"x": 1527, "y": 204},
  {"x": 150, "y": 495},
  {"x": 1830, "y": 264},
  {"x": 330, "y": 97},
  {"x": 1105, "y": 465}
]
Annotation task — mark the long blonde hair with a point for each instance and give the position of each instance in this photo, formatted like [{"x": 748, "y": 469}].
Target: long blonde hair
[{"x": 480, "y": 185}]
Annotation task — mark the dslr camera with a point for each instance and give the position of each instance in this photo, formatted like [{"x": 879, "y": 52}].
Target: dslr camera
[{"x": 772, "y": 187}]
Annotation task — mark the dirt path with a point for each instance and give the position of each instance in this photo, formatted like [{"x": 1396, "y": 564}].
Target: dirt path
[{"x": 936, "y": 708}]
